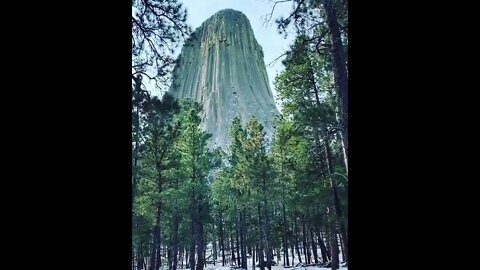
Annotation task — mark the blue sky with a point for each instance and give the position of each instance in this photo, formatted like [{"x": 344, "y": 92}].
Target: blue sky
[{"x": 272, "y": 42}]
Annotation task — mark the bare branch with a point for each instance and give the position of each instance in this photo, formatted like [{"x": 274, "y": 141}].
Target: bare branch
[
  {"x": 139, "y": 66},
  {"x": 150, "y": 31},
  {"x": 305, "y": 41},
  {"x": 295, "y": 11},
  {"x": 273, "y": 9},
  {"x": 276, "y": 59},
  {"x": 144, "y": 74},
  {"x": 152, "y": 7}
]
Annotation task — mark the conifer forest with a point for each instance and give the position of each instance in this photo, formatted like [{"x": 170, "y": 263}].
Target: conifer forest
[{"x": 226, "y": 174}]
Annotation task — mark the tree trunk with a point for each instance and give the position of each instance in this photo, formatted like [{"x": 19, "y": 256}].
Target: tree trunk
[
  {"x": 261, "y": 249},
  {"x": 170, "y": 258},
  {"x": 204, "y": 255},
  {"x": 284, "y": 248},
  {"x": 342, "y": 143},
  {"x": 292, "y": 246},
  {"x": 180, "y": 257},
  {"x": 253, "y": 257},
  {"x": 334, "y": 248},
  {"x": 339, "y": 63},
  {"x": 155, "y": 259},
  {"x": 267, "y": 226},
  {"x": 242, "y": 237},
  {"x": 158, "y": 255},
  {"x": 237, "y": 246},
  {"x": 343, "y": 247},
  {"x": 200, "y": 252},
  {"x": 306, "y": 251},
  {"x": 155, "y": 247},
  {"x": 139, "y": 257},
  {"x": 336, "y": 200},
  {"x": 270, "y": 256},
  {"x": 200, "y": 240},
  {"x": 250, "y": 234},
  {"x": 232, "y": 251},
  {"x": 136, "y": 139},
  {"x": 175, "y": 241},
  {"x": 327, "y": 242},
  {"x": 314, "y": 246},
  {"x": 222, "y": 241},
  {"x": 339, "y": 215},
  {"x": 285, "y": 245},
  {"x": 158, "y": 261},
  {"x": 304, "y": 248},
  {"x": 214, "y": 248},
  {"x": 193, "y": 232},
  {"x": 296, "y": 240},
  {"x": 323, "y": 249}
]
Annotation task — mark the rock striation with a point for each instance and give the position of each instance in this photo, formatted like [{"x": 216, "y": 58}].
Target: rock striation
[{"x": 221, "y": 66}]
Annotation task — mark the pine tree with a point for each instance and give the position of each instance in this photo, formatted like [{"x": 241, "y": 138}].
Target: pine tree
[
  {"x": 159, "y": 135},
  {"x": 196, "y": 162},
  {"x": 324, "y": 24},
  {"x": 157, "y": 28},
  {"x": 307, "y": 90}
]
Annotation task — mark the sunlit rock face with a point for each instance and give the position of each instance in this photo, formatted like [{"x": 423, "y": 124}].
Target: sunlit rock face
[{"x": 221, "y": 66}]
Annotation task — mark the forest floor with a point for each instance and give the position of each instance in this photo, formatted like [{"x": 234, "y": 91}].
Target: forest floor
[
  {"x": 218, "y": 265},
  {"x": 277, "y": 267}
]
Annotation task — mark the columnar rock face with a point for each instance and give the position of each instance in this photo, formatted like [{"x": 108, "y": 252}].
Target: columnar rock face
[{"x": 221, "y": 66}]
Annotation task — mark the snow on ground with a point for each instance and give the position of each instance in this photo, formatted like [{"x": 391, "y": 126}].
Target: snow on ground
[
  {"x": 277, "y": 267},
  {"x": 218, "y": 265}
]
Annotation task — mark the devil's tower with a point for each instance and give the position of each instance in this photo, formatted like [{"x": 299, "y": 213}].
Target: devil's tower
[{"x": 221, "y": 66}]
